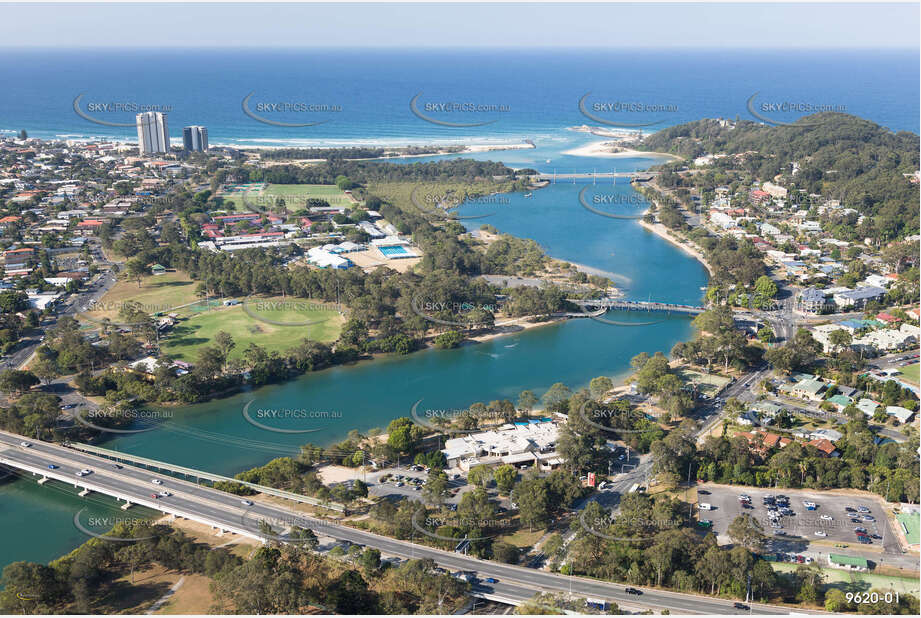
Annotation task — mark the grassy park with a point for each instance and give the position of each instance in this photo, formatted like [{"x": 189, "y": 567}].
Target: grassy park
[
  {"x": 275, "y": 324},
  {"x": 910, "y": 373},
  {"x": 156, "y": 294},
  {"x": 295, "y": 196}
]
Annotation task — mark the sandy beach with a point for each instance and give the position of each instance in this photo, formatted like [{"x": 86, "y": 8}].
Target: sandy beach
[
  {"x": 660, "y": 230},
  {"x": 604, "y": 149}
]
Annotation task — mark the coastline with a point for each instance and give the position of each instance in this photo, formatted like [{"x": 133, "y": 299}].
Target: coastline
[
  {"x": 602, "y": 149},
  {"x": 663, "y": 232}
]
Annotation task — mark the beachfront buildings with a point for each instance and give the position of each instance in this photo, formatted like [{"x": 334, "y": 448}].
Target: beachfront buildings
[
  {"x": 195, "y": 139},
  {"x": 153, "y": 133}
]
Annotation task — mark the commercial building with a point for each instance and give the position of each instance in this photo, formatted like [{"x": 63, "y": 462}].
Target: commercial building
[
  {"x": 153, "y": 133},
  {"x": 523, "y": 444},
  {"x": 859, "y": 297},
  {"x": 195, "y": 138},
  {"x": 810, "y": 300}
]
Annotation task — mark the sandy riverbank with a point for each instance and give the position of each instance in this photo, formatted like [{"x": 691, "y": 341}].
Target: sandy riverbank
[
  {"x": 512, "y": 326},
  {"x": 606, "y": 149},
  {"x": 660, "y": 230}
]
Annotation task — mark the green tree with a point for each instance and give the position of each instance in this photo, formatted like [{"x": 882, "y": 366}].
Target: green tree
[{"x": 505, "y": 476}]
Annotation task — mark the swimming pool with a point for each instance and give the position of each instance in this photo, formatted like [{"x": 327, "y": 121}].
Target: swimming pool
[{"x": 394, "y": 251}]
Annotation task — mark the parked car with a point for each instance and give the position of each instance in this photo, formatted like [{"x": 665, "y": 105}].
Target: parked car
[{"x": 704, "y": 506}]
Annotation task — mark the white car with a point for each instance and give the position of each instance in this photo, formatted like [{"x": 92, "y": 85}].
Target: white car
[
  {"x": 25, "y": 444},
  {"x": 704, "y": 506},
  {"x": 246, "y": 502},
  {"x": 165, "y": 494},
  {"x": 827, "y": 517},
  {"x": 821, "y": 533},
  {"x": 84, "y": 472},
  {"x": 156, "y": 481}
]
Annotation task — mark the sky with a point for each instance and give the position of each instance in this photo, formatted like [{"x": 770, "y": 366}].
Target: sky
[{"x": 612, "y": 25}]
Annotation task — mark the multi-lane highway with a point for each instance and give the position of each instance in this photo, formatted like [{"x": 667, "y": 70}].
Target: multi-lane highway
[{"x": 231, "y": 513}]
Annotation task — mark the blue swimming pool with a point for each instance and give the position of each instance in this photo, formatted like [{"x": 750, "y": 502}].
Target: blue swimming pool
[{"x": 394, "y": 251}]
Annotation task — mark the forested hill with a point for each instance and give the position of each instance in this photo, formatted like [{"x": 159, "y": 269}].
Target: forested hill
[{"x": 839, "y": 156}]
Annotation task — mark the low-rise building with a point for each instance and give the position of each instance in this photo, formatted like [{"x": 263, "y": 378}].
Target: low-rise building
[{"x": 858, "y": 298}]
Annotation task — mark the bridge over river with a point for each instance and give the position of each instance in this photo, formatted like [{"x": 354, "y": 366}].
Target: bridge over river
[
  {"x": 637, "y": 176},
  {"x": 635, "y": 305}
]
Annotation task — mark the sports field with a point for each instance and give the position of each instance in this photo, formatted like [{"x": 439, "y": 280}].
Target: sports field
[
  {"x": 707, "y": 384},
  {"x": 856, "y": 580},
  {"x": 910, "y": 373},
  {"x": 275, "y": 324},
  {"x": 295, "y": 196}
]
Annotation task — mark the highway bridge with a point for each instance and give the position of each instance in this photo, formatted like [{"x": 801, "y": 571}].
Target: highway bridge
[
  {"x": 638, "y": 176},
  {"x": 229, "y": 513},
  {"x": 635, "y": 305}
]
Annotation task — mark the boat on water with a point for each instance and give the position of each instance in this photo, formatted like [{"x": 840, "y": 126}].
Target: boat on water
[{"x": 528, "y": 194}]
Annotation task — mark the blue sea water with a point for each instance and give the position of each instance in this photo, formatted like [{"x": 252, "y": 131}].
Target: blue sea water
[{"x": 531, "y": 94}]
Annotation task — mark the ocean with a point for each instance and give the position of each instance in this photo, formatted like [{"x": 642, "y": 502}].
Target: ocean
[{"x": 363, "y": 97}]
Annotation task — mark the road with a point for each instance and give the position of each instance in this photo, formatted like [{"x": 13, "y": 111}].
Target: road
[
  {"x": 209, "y": 505},
  {"x": 75, "y": 304}
]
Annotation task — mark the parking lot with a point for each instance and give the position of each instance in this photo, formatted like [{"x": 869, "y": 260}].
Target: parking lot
[
  {"x": 829, "y": 525},
  {"x": 404, "y": 482}
]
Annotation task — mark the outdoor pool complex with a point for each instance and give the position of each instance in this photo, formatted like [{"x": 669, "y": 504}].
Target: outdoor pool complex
[{"x": 395, "y": 251}]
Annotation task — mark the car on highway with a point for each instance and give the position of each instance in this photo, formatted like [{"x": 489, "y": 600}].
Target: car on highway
[
  {"x": 53, "y": 466},
  {"x": 741, "y": 606},
  {"x": 491, "y": 580},
  {"x": 633, "y": 591},
  {"x": 246, "y": 502},
  {"x": 117, "y": 466},
  {"x": 165, "y": 494},
  {"x": 25, "y": 444},
  {"x": 68, "y": 406},
  {"x": 84, "y": 472},
  {"x": 156, "y": 481},
  {"x": 155, "y": 496}
]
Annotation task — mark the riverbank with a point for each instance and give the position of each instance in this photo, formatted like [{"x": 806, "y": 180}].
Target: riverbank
[
  {"x": 607, "y": 149},
  {"x": 663, "y": 232}
]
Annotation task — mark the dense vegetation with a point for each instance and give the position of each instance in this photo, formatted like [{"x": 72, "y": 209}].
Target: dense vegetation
[
  {"x": 275, "y": 579},
  {"x": 840, "y": 156}
]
